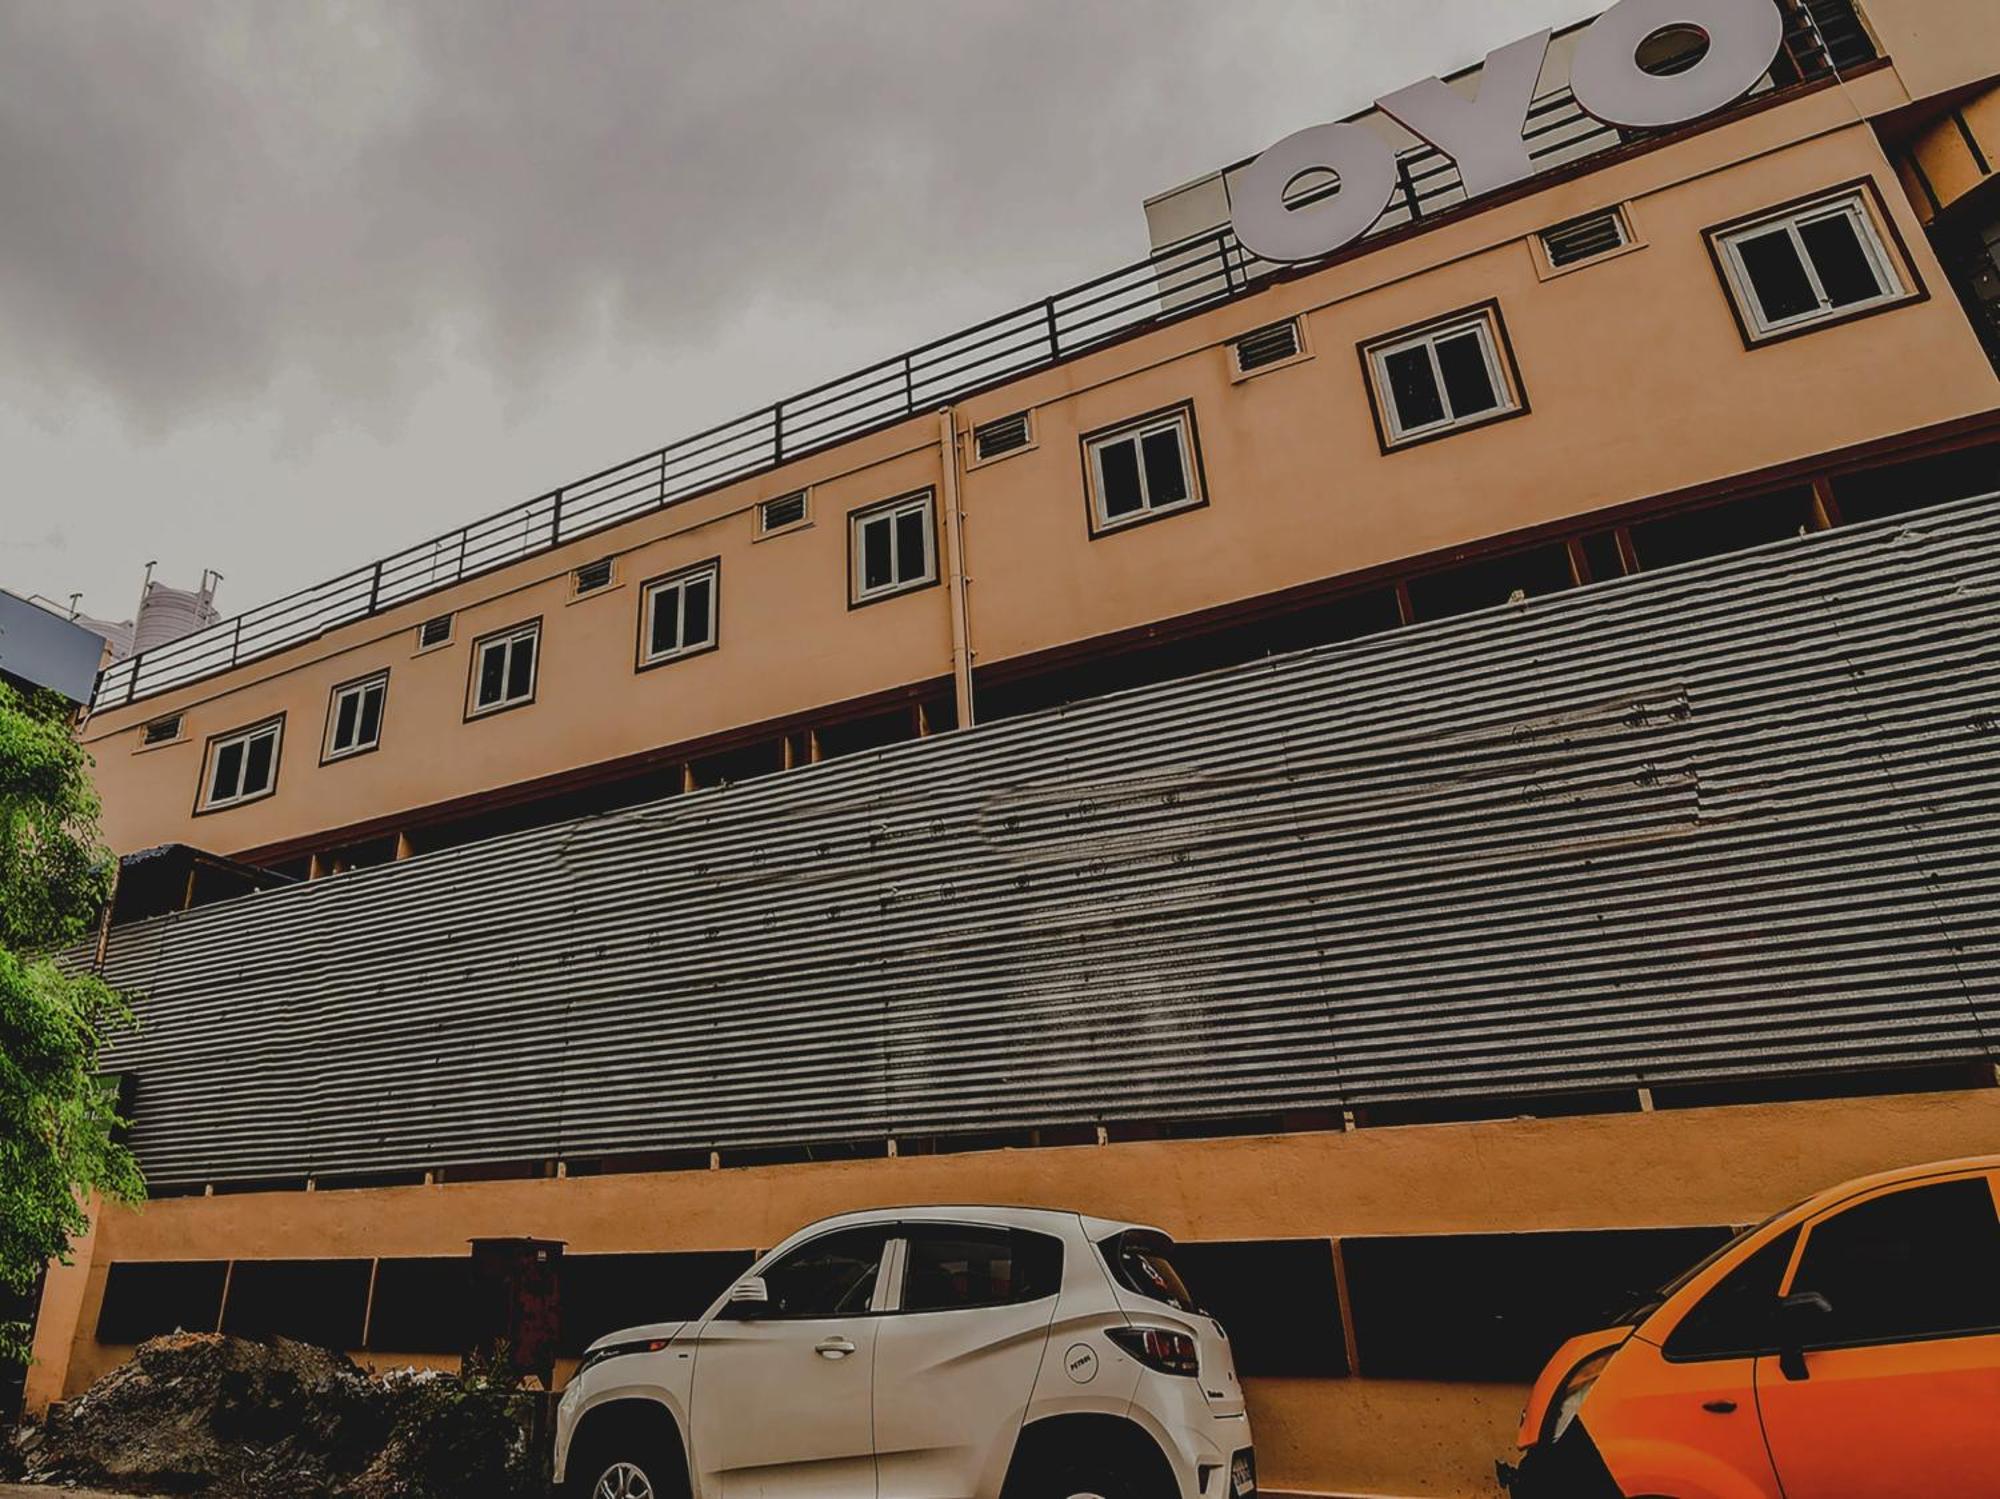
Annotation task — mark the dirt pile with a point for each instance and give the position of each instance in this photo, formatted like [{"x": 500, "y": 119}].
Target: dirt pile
[{"x": 197, "y": 1413}]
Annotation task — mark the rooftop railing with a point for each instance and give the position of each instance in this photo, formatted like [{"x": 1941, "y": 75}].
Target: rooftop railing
[{"x": 1822, "y": 36}]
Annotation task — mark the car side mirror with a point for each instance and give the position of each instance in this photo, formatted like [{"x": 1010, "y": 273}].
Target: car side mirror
[
  {"x": 1801, "y": 1316},
  {"x": 750, "y": 1297}
]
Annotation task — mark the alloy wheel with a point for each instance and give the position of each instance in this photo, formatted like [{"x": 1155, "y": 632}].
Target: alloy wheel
[{"x": 622, "y": 1481}]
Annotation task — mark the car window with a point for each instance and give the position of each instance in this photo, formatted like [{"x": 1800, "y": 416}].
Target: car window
[
  {"x": 1920, "y": 1263},
  {"x": 832, "y": 1276},
  {"x": 1733, "y": 1320},
  {"x": 1142, "y": 1262},
  {"x": 952, "y": 1267}
]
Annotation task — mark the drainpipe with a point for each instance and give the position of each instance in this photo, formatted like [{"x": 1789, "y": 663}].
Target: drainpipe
[{"x": 954, "y": 532}]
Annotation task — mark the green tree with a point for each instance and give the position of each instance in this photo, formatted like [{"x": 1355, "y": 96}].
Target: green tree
[{"x": 58, "y": 1113}]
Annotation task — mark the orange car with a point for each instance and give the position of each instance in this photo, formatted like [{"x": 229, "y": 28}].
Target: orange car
[{"x": 1847, "y": 1348}]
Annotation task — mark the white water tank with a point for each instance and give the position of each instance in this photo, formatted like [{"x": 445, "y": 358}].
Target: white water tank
[{"x": 166, "y": 614}]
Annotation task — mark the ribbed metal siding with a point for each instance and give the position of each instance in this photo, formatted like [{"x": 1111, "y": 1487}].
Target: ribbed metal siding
[{"x": 1732, "y": 818}]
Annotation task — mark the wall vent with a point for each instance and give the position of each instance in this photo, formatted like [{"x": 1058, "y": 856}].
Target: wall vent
[
  {"x": 785, "y": 510},
  {"x": 162, "y": 730},
  {"x": 434, "y": 632},
  {"x": 1584, "y": 238},
  {"x": 1266, "y": 346},
  {"x": 593, "y": 576},
  {"x": 1007, "y": 434}
]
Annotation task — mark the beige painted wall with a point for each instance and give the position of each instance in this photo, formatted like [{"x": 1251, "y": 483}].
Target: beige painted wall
[
  {"x": 1705, "y": 1166},
  {"x": 1937, "y": 45}
]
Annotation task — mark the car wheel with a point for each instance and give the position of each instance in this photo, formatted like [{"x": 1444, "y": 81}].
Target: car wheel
[{"x": 627, "y": 1470}]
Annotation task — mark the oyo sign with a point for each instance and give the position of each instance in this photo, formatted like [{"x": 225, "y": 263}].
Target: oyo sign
[{"x": 1484, "y": 135}]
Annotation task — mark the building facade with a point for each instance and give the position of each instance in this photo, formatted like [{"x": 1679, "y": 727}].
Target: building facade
[{"x": 1446, "y": 776}]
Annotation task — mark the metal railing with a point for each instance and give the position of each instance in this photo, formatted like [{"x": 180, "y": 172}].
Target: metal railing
[{"x": 1168, "y": 284}]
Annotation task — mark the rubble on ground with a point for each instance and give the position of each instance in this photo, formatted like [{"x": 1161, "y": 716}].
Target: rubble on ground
[{"x": 201, "y": 1413}]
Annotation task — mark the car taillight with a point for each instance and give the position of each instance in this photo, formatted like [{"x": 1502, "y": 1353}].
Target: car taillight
[{"x": 1158, "y": 1348}]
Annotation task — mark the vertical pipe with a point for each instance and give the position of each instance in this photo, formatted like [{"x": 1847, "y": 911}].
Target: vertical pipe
[{"x": 954, "y": 530}]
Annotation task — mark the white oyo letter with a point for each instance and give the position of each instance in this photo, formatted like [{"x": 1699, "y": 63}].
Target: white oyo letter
[
  {"x": 1743, "y": 39},
  {"x": 1482, "y": 135},
  {"x": 1271, "y": 230}
]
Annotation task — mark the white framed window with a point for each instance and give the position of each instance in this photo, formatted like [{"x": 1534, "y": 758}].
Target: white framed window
[
  {"x": 504, "y": 667},
  {"x": 354, "y": 717},
  {"x": 1142, "y": 469},
  {"x": 1441, "y": 377},
  {"x": 678, "y": 613},
  {"x": 1807, "y": 265},
  {"x": 241, "y": 766},
  {"x": 892, "y": 548}
]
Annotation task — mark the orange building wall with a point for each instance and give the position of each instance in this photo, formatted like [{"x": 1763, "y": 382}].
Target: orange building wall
[{"x": 1359, "y": 1435}]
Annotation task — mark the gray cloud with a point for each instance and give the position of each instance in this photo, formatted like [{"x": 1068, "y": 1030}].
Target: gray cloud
[{"x": 251, "y": 242}]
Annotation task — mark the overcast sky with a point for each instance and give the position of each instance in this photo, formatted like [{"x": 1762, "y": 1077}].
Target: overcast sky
[{"x": 287, "y": 286}]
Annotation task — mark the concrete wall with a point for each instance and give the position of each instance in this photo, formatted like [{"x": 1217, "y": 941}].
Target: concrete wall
[{"x": 1357, "y": 1435}]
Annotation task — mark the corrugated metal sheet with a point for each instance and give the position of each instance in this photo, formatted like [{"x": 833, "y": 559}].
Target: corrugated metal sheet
[{"x": 1729, "y": 819}]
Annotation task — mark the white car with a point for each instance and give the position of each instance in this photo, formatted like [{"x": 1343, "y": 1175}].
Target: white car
[{"x": 922, "y": 1353}]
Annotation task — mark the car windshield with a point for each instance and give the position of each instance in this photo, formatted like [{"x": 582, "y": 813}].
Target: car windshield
[
  {"x": 1141, "y": 1263},
  {"x": 1637, "y": 1308}
]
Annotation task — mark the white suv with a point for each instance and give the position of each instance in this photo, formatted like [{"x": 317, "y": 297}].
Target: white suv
[{"x": 922, "y": 1353}]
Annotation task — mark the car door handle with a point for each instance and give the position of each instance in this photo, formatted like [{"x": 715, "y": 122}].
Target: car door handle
[
  {"x": 833, "y": 1348},
  {"x": 1718, "y": 1407}
]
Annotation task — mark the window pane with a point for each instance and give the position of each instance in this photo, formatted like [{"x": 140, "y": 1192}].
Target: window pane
[
  {"x": 1913, "y": 1264},
  {"x": 958, "y": 1267},
  {"x": 1118, "y": 472},
  {"x": 228, "y": 771},
  {"x": 345, "y": 712},
  {"x": 492, "y": 673},
  {"x": 371, "y": 715},
  {"x": 876, "y": 571},
  {"x": 1166, "y": 472},
  {"x": 1843, "y": 265},
  {"x": 694, "y": 603},
  {"x": 666, "y": 620},
  {"x": 521, "y": 668},
  {"x": 1734, "y": 1318},
  {"x": 257, "y": 764},
  {"x": 830, "y": 1277},
  {"x": 1413, "y": 389},
  {"x": 912, "y": 559},
  {"x": 1467, "y": 381},
  {"x": 1777, "y": 275}
]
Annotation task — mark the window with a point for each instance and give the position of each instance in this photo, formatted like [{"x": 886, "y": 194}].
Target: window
[
  {"x": 1584, "y": 239},
  {"x": 678, "y": 616},
  {"x": 1268, "y": 346},
  {"x": 1806, "y": 266},
  {"x": 892, "y": 548},
  {"x": 1142, "y": 470},
  {"x": 1007, "y": 434},
  {"x": 1730, "y": 526},
  {"x": 1920, "y": 1263},
  {"x": 1441, "y": 378},
  {"x": 833, "y": 1276},
  {"x": 162, "y": 730},
  {"x": 354, "y": 718},
  {"x": 1733, "y": 1320},
  {"x": 314, "y": 1301},
  {"x": 1277, "y": 1299},
  {"x": 591, "y": 577},
  {"x": 952, "y": 1267},
  {"x": 782, "y": 513},
  {"x": 503, "y": 668},
  {"x": 1486, "y": 581},
  {"x": 433, "y": 633},
  {"x": 242, "y": 766},
  {"x": 602, "y": 1293},
  {"x": 145, "y": 1298},
  {"x": 1142, "y": 1262}
]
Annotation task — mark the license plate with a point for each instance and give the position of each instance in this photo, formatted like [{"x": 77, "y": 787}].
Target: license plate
[{"x": 1242, "y": 1475}]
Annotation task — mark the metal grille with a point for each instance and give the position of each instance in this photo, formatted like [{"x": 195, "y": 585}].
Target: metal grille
[
  {"x": 434, "y": 631},
  {"x": 1269, "y": 345},
  {"x": 1732, "y": 819},
  {"x": 785, "y": 510},
  {"x": 593, "y": 576},
  {"x": 161, "y": 730},
  {"x": 1006, "y": 435},
  {"x": 1206, "y": 270},
  {"x": 1580, "y": 239}
]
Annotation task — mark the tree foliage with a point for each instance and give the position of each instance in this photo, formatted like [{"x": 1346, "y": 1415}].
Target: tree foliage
[{"x": 58, "y": 1113}]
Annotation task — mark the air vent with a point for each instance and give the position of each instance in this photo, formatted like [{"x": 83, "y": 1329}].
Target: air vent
[
  {"x": 593, "y": 576},
  {"x": 1008, "y": 434},
  {"x": 785, "y": 510},
  {"x": 434, "y": 632},
  {"x": 1583, "y": 239},
  {"x": 1272, "y": 345},
  {"x": 162, "y": 730}
]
